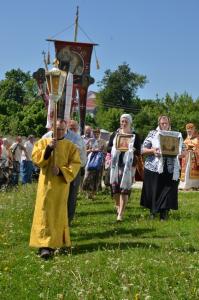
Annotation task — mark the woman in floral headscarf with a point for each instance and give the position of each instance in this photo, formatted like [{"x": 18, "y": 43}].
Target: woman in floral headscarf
[
  {"x": 190, "y": 162},
  {"x": 123, "y": 163}
]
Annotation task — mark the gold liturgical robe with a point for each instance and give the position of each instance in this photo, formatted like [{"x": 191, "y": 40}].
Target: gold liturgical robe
[
  {"x": 50, "y": 220},
  {"x": 191, "y": 158}
]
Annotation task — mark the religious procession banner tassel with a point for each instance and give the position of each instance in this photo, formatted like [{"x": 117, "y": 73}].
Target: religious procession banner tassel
[
  {"x": 96, "y": 59},
  {"x": 97, "y": 64}
]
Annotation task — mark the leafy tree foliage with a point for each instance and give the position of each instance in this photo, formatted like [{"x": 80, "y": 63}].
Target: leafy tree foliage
[
  {"x": 18, "y": 76},
  {"x": 109, "y": 119},
  {"x": 9, "y": 107},
  {"x": 118, "y": 94},
  {"x": 118, "y": 88},
  {"x": 181, "y": 109},
  {"x": 90, "y": 120},
  {"x": 11, "y": 90},
  {"x": 14, "y": 86},
  {"x": 21, "y": 110},
  {"x": 34, "y": 117}
]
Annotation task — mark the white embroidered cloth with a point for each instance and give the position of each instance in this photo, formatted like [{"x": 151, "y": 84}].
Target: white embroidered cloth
[{"x": 127, "y": 176}]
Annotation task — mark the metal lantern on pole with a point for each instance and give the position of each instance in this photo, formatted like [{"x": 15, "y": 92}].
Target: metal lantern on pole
[{"x": 55, "y": 83}]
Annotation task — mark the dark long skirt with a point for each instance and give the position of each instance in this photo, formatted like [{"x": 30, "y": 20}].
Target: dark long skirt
[{"x": 159, "y": 191}]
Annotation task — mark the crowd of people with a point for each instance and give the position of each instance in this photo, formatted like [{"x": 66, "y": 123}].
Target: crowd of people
[
  {"x": 71, "y": 163},
  {"x": 16, "y": 161}
]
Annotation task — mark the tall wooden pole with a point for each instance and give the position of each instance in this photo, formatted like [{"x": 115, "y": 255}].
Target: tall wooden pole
[
  {"x": 45, "y": 61},
  {"x": 54, "y": 130},
  {"x": 76, "y": 24}
]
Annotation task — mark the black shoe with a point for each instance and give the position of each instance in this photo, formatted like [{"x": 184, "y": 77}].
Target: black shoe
[
  {"x": 164, "y": 215},
  {"x": 65, "y": 250},
  {"x": 45, "y": 253},
  {"x": 152, "y": 216}
]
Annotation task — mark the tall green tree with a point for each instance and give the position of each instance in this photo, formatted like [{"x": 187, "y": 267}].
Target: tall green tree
[
  {"x": 118, "y": 88},
  {"x": 15, "y": 86},
  {"x": 21, "y": 110},
  {"x": 181, "y": 109},
  {"x": 110, "y": 118},
  {"x": 118, "y": 94}
]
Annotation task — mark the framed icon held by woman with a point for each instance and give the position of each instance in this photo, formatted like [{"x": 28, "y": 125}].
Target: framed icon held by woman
[
  {"x": 122, "y": 142},
  {"x": 169, "y": 145}
]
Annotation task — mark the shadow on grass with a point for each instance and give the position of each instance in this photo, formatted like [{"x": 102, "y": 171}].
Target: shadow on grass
[
  {"x": 190, "y": 249},
  {"x": 185, "y": 216},
  {"x": 116, "y": 232},
  {"x": 95, "y": 212},
  {"x": 131, "y": 212},
  {"x": 135, "y": 217},
  {"x": 96, "y": 202},
  {"x": 105, "y": 246}
]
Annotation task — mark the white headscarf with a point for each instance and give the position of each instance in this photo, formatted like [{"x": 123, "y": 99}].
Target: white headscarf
[{"x": 128, "y": 117}]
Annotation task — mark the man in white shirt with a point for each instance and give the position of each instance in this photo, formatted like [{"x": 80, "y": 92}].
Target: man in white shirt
[
  {"x": 16, "y": 150},
  {"x": 75, "y": 184},
  {"x": 88, "y": 134},
  {"x": 26, "y": 161}
]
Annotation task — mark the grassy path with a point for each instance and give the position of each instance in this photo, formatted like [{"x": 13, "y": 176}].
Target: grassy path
[{"x": 136, "y": 259}]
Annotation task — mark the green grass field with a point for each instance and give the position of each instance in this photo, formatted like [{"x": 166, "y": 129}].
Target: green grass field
[{"x": 135, "y": 259}]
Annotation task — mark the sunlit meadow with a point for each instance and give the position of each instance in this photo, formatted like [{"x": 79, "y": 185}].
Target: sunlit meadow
[{"x": 135, "y": 259}]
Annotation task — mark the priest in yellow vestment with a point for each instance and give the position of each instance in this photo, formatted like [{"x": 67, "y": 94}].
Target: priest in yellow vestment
[
  {"x": 50, "y": 228},
  {"x": 190, "y": 161}
]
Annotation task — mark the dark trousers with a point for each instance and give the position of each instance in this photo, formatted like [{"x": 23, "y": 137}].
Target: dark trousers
[
  {"x": 26, "y": 171},
  {"x": 15, "y": 173},
  {"x": 72, "y": 197}
]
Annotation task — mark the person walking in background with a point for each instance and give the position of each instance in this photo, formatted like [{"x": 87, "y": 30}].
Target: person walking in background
[
  {"x": 75, "y": 184},
  {"x": 96, "y": 147},
  {"x": 16, "y": 151},
  {"x": 26, "y": 161},
  {"x": 88, "y": 134},
  {"x": 190, "y": 162},
  {"x": 123, "y": 163},
  {"x": 161, "y": 173},
  {"x": 50, "y": 228},
  {"x": 5, "y": 163},
  {"x": 5, "y": 151}
]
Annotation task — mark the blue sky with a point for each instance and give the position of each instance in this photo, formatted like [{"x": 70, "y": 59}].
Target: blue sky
[{"x": 157, "y": 38}]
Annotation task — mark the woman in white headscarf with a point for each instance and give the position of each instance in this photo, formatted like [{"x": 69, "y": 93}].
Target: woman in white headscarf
[
  {"x": 161, "y": 173},
  {"x": 123, "y": 164}
]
